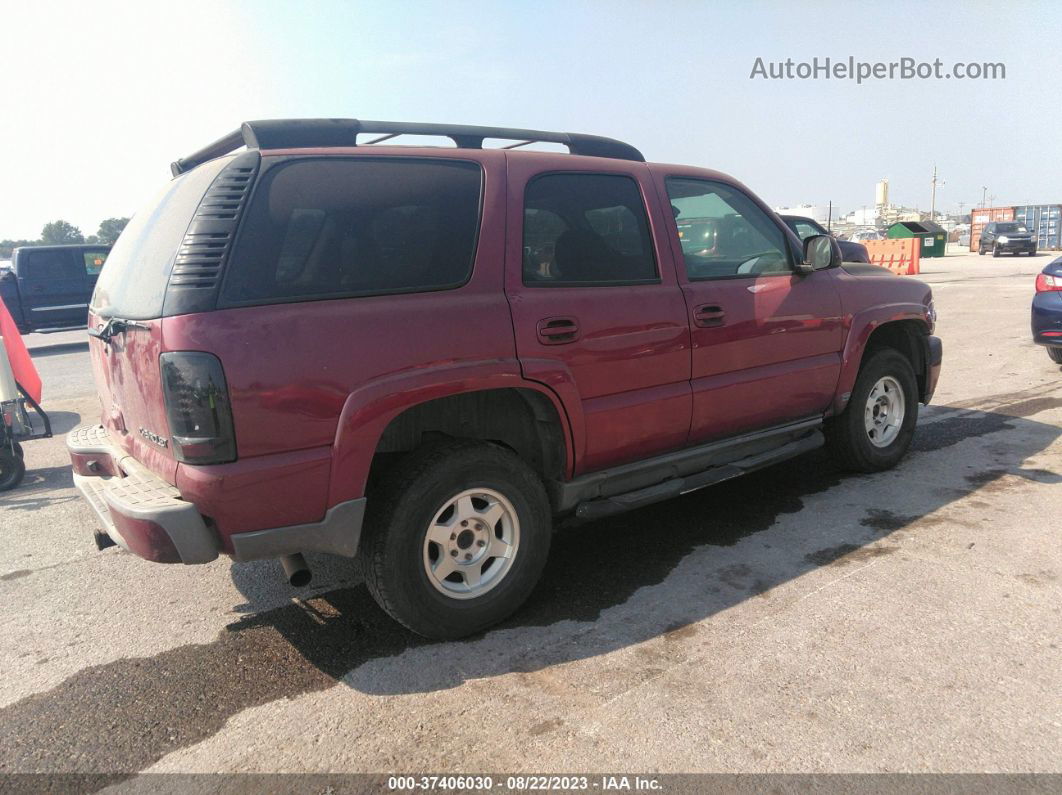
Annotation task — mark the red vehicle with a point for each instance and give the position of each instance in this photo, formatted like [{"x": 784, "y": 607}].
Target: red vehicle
[{"x": 421, "y": 356}]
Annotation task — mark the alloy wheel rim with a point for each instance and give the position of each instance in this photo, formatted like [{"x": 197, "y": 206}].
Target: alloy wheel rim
[
  {"x": 884, "y": 411},
  {"x": 470, "y": 545}
]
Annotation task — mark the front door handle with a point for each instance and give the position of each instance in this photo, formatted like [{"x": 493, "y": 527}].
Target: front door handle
[
  {"x": 557, "y": 330},
  {"x": 709, "y": 315}
]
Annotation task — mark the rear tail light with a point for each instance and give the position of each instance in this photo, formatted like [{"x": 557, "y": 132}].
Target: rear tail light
[
  {"x": 197, "y": 407},
  {"x": 1047, "y": 284}
]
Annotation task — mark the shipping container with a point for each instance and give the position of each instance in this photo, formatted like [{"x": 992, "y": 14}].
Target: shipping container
[
  {"x": 1044, "y": 221},
  {"x": 980, "y": 216}
]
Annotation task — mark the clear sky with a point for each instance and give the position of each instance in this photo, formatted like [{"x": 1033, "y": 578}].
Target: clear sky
[{"x": 101, "y": 97}]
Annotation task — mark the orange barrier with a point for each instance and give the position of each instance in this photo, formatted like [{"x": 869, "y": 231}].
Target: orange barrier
[
  {"x": 21, "y": 363},
  {"x": 899, "y": 255}
]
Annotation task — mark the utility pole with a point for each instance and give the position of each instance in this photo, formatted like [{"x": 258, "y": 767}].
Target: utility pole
[
  {"x": 984, "y": 192},
  {"x": 933, "y": 196},
  {"x": 829, "y": 217}
]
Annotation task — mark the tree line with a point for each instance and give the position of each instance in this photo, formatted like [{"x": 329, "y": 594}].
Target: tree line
[{"x": 57, "y": 233}]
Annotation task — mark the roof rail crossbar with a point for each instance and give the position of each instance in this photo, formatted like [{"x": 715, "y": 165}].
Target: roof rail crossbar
[
  {"x": 382, "y": 138},
  {"x": 307, "y": 133}
]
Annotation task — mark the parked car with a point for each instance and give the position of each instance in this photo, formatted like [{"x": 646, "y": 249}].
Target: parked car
[
  {"x": 1007, "y": 237},
  {"x": 807, "y": 227},
  {"x": 48, "y": 287},
  {"x": 1047, "y": 310},
  {"x": 422, "y": 356},
  {"x": 863, "y": 235}
]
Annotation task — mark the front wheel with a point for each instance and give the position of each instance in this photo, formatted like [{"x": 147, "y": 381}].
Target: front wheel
[
  {"x": 1055, "y": 354},
  {"x": 456, "y": 538},
  {"x": 876, "y": 427},
  {"x": 995, "y": 251}
]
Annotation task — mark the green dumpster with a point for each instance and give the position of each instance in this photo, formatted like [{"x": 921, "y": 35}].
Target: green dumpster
[{"x": 932, "y": 235}]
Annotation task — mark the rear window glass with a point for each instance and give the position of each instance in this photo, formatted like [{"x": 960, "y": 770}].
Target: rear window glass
[
  {"x": 133, "y": 281},
  {"x": 47, "y": 265},
  {"x": 332, "y": 227}
]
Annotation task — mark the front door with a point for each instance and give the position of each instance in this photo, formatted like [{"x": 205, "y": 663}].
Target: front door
[
  {"x": 596, "y": 309},
  {"x": 766, "y": 340}
]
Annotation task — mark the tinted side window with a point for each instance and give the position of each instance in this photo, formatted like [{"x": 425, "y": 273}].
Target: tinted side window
[
  {"x": 723, "y": 233},
  {"x": 331, "y": 227},
  {"x": 586, "y": 230},
  {"x": 47, "y": 265}
]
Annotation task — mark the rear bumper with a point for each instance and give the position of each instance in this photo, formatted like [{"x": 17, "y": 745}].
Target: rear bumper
[
  {"x": 1047, "y": 318},
  {"x": 147, "y": 516}
]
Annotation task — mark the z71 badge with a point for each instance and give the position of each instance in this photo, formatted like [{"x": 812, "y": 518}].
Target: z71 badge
[{"x": 161, "y": 441}]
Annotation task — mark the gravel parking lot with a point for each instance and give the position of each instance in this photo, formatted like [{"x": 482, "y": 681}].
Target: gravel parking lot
[{"x": 795, "y": 620}]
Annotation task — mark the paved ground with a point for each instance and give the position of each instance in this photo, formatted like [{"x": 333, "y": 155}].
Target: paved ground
[{"x": 796, "y": 620}]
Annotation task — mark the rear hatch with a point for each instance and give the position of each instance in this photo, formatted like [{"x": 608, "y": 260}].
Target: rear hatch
[{"x": 132, "y": 288}]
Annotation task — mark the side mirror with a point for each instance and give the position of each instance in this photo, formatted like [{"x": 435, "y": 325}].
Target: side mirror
[{"x": 820, "y": 252}]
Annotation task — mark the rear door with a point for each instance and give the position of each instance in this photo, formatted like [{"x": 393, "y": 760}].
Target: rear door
[
  {"x": 597, "y": 311},
  {"x": 766, "y": 341},
  {"x": 52, "y": 285}
]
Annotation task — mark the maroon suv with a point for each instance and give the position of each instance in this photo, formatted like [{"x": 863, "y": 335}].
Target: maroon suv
[{"x": 421, "y": 356}]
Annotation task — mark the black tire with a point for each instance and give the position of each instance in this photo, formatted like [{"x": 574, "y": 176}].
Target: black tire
[
  {"x": 995, "y": 251},
  {"x": 846, "y": 435},
  {"x": 981, "y": 250},
  {"x": 19, "y": 451},
  {"x": 406, "y": 501},
  {"x": 1055, "y": 354},
  {"x": 12, "y": 470}
]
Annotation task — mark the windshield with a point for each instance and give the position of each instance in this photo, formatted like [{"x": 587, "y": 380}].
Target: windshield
[
  {"x": 1010, "y": 228},
  {"x": 132, "y": 283}
]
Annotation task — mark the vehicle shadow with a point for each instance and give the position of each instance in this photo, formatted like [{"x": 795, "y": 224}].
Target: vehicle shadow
[
  {"x": 38, "y": 489},
  {"x": 580, "y": 607},
  {"x": 59, "y": 349},
  {"x": 609, "y": 585}
]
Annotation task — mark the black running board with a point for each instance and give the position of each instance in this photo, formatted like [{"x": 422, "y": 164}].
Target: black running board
[{"x": 756, "y": 451}]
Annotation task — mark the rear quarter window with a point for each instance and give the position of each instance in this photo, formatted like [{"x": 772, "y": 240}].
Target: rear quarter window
[
  {"x": 321, "y": 228},
  {"x": 132, "y": 282}
]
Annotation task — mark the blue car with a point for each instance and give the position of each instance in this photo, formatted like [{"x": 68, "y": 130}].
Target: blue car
[{"x": 1047, "y": 310}]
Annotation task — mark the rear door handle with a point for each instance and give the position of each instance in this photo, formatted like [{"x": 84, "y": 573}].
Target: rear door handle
[
  {"x": 557, "y": 330},
  {"x": 709, "y": 315}
]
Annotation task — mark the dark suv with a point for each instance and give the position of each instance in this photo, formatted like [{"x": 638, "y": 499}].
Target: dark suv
[
  {"x": 806, "y": 227},
  {"x": 422, "y": 356},
  {"x": 1007, "y": 237}
]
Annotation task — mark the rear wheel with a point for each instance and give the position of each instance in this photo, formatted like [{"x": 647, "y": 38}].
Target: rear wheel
[
  {"x": 1055, "y": 354},
  {"x": 456, "y": 538},
  {"x": 876, "y": 427},
  {"x": 12, "y": 470}
]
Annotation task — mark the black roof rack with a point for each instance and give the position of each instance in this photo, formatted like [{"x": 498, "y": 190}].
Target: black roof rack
[{"x": 306, "y": 133}]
